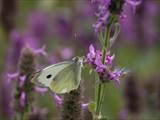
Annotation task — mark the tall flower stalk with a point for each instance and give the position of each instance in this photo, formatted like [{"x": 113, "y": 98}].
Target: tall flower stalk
[
  {"x": 109, "y": 12},
  {"x": 24, "y": 95},
  {"x": 101, "y": 87},
  {"x": 25, "y": 88}
]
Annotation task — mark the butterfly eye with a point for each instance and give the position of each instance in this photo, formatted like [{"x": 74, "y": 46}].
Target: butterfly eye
[{"x": 48, "y": 76}]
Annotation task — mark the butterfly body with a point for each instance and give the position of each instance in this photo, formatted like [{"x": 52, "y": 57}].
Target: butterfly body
[{"x": 62, "y": 77}]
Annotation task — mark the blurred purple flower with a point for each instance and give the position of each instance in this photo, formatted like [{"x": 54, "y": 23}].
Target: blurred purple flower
[
  {"x": 107, "y": 7},
  {"x": 11, "y": 76},
  {"x": 133, "y": 3},
  {"x": 91, "y": 55},
  {"x": 22, "y": 80},
  {"x": 38, "y": 25},
  {"x": 57, "y": 99},
  {"x": 14, "y": 50},
  {"x": 30, "y": 39},
  {"x": 141, "y": 27},
  {"x": 26, "y": 39},
  {"x": 11, "y": 61},
  {"x": 53, "y": 59},
  {"x": 66, "y": 53},
  {"x": 40, "y": 51},
  {"x": 22, "y": 99},
  {"x": 63, "y": 27},
  {"x": 41, "y": 90}
]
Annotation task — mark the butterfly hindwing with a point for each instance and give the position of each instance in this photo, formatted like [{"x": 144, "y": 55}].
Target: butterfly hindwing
[{"x": 68, "y": 79}]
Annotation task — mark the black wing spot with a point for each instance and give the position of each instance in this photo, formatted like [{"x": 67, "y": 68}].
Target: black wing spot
[{"x": 48, "y": 76}]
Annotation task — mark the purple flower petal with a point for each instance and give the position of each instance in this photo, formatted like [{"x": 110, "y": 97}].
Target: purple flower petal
[
  {"x": 57, "y": 99},
  {"x": 134, "y": 2},
  {"x": 99, "y": 66},
  {"x": 22, "y": 80},
  {"x": 91, "y": 55},
  {"x": 11, "y": 76},
  {"x": 22, "y": 99},
  {"x": 92, "y": 50},
  {"x": 116, "y": 75},
  {"x": 41, "y": 90},
  {"x": 41, "y": 51},
  {"x": 109, "y": 59},
  {"x": 85, "y": 105}
]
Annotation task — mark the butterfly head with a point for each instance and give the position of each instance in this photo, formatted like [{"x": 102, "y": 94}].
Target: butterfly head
[{"x": 78, "y": 60}]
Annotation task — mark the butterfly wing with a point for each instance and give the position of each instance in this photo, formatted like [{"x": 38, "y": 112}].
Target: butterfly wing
[
  {"x": 46, "y": 75},
  {"x": 68, "y": 79}
]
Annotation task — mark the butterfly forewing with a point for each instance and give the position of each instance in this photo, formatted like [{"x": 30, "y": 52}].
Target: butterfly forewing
[{"x": 50, "y": 72}]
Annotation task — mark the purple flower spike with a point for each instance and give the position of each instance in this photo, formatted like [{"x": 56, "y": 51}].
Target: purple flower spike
[
  {"x": 41, "y": 89},
  {"x": 107, "y": 8},
  {"x": 41, "y": 51},
  {"x": 22, "y": 99}
]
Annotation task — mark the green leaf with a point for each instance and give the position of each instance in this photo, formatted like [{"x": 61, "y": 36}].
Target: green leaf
[
  {"x": 91, "y": 107},
  {"x": 115, "y": 35}
]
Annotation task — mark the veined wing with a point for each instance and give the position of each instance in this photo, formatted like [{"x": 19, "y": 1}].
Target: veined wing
[
  {"x": 47, "y": 74},
  {"x": 68, "y": 79}
]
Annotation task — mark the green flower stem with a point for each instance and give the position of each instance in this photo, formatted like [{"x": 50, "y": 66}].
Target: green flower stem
[
  {"x": 101, "y": 87},
  {"x": 24, "y": 116},
  {"x": 103, "y": 61},
  {"x": 98, "y": 98}
]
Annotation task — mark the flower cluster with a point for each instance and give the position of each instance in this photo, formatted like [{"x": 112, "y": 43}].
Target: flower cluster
[
  {"x": 94, "y": 58},
  {"x": 109, "y": 8}
]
